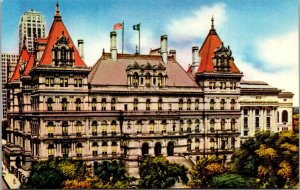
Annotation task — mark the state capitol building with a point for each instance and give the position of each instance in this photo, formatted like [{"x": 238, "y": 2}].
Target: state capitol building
[{"x": 131, "y": 105}]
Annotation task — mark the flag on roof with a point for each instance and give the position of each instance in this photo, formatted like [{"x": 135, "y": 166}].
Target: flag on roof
[
  {"x": 118, "y": 26},
  {"x": 136, "y": 27}
]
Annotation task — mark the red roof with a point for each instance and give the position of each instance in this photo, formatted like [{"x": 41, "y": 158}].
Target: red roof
[
  {"x": 29, "y": 65},
  {"x": 24, "y": 57},
  {"x": 57, "y": 30},
  {"x": 206, "y": 53}
]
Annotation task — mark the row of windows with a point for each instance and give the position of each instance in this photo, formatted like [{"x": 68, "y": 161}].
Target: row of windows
[
  {"x": 63, "y": 82},
  {"x": 222, "y": 85},
  {"x": 257, "y": 122},
  {"x": 257, "y": 111},
  {"x": 212, "y": 104},
  {"x": 148, "y": 78}
]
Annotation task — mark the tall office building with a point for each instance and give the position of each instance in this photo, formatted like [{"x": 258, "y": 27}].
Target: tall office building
[
  {"x": 31, "y": 22},
  {"x": 8, "y": 63}
]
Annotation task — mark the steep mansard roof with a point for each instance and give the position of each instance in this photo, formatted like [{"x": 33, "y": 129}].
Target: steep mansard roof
[
  {"x": 57, "y": 30},
  {"x": 206, "y": 53},
  {"x": 109, "y": 72},
  {"x": 23, "y": 59}
]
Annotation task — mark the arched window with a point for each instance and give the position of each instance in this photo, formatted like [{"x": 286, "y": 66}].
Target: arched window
[
  {"x": 222, "y": 104},
  {"x": 64, "y": 104},
  {"x": 50, "y": 150},
  {"x": 223, "y": 124},
  {"x": 139, "y": 124},
  {"x": 197, "y": 144},
  {"x": 151, "y": 126},
  {"x": 95, "y": 148},
  {"x": 223, "y": 143},
  {"x": 212, "y": 104},
  {"x": 212, "y": 144},
  {"x": 78, "y": 104},
  {"x": 197, "y": 125},
  {"x": 103, "y": 104},
  {"x": 189, "y": 126},
  {"x": 189, "y": 102},
  {"x": 135, "y": 79},
  {"x": 232, "y": 142},
  {"x": 65, "y": 150},
  {"x": 104, "y": 148},
  {"x": 78, "y": 128},
  {"x": 79, "y": 150},
  {"x": 284, "y": 117},
  {"x": 212, "y": 125},
  {"x": 232, "y": 123},
  {"x": 189, "y": 145},
  {"x": 170, "y": 149},
  {"x": 157, "y": 149},
  {"x": 64, "y": 127},
  {"x": 159, "y": 83},
  {"x": 49, "y": 104},
  {"x": 50, "y": 128},
  {"x": 63, "y": 54},
  {"x": 94, "y": 128},
  {"x": 94, "y": 104},
  {"x": 180, "y": 104},
  {"x": 113, "y": 104},
  {"x": 148, "y": 102},
  {"x": 197, "y": 104},
  {"x": 232, "y": 104},
  {"x": 104, "y": 128},
  {"x": 145, "y": 149},
  {"x": 135, "y": 104},
  {"x": 159, "y": 104},
  {"x": 181, "y": 125},
  {"x": 148, "y": 77},
  {"x": 113, "y": 127},
  {"x": 114, "y": 147},
  {"x": 164, "y": 126}
]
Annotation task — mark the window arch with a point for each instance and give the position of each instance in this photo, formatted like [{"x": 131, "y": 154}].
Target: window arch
[
  {"x": 159, "y": 104},
  {"x": 49, "y": 104},
  {"x": 170, "y": 148},
  {"x": 212, "y": 125},
  {"x": 232, "y": 124},
  {"x": 232, "y": 104},
  {"x": 135, "y": 104},
  {"x": 50, "y": 127},
  {"x": 114, "y": 147},
  {"x": 63, "y": 54},
  {"x": 139, "y": 124},
  {"x": 104, "y": 128},
  {"x": 223, "y": 124},
  {"x": 78, "y": 126},
  {"x": 78, "y": 104},
  {"x": 94, "y": 128},
  {"x": 151, "y": 126},
  {"x": 284, "y": 116},
  {"x": 160, "y": 77},
  {"x": 212, "y": 104},
  {"x": 189, "y": 102},
  {"x": 189, "y": 125},
  {"x": 145, "y": 149},
  {"x": 222, "y": 104},
  {"x": 94, "y": 104},
  {"x": 113, "y": 127},
  {"x": 232, "y": 142},
  {"x": 189, "y": 145},
  {"x": 95, "y": 148},
  {"x": 104, "y": 148},
  {"x": 64, "y": 104},
  {"x": 164, "y": 126},
  {"x": 79, "y": 150},
  {"x": 197, "y": 104},
  {"x": 148, "y": 102},
  {"x": 135, "y": 79},
  {"x": 103, "y": 104},
  {"x": 180, "y": 104},
  {"x": 113, "y": 104},
  {"x": 181, "y": 125},
  {"x": 197, "y": 125},
  {"x": 148, "y": 77},
  {"x": 157, "y": 149},
  {"x": 65, "y": 149},
  {"x": 64, "y": 128},
  {"x": 197, "y": 144},
  {"x": 50, "y": 150},
  {"x": 212, "y": 143}
]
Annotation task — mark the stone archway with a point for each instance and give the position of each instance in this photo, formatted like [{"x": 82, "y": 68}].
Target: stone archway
[
  {"x": 157, "y": 149},
  {"x": 18, "y": 161},
  {"x": 145, "y": 149},
  {"x": 170, "y": 149}
]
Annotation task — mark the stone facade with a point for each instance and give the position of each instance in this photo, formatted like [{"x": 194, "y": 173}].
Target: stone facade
[{"x": 130, "y": 105}]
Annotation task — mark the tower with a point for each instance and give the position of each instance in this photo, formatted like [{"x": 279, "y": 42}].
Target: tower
[{"x": 32, "y": 24}]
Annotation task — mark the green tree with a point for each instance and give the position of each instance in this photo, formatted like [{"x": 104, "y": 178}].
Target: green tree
[
  {"x": 232, "y": 181},
  {"x": 205, "y": 169},
  {"x": 158, "y": 172}
]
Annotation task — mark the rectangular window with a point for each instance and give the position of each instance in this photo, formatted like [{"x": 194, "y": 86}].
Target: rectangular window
[
  {"x": 114, "y": 129},
  {"x": 256, "y": 122},
  {"x": 76, "y": 82},
  {"x": 268, "y": 122},
  {"x": 64, "y": 82},
  {"x": 80, "y": 82},
  {"x": 245, "y": 133},
  {"x": 125, "y": 107},
  {"x": 47, "y": 82},
  {"x": 245, "y": 112},
  {"x": 245, "y": 122},
  {"x": 50, "y": 152},
  {"x": 257, "y": 112},
  {"x": 51, "y": 82}
]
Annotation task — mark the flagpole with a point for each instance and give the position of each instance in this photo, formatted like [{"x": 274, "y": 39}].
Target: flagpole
[
  {"x": 123, "y": 37},
  {"x": 139, "y": 38}
]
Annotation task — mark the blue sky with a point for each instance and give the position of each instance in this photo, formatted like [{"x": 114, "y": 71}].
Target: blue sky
[{"x": 263, "y": 34}]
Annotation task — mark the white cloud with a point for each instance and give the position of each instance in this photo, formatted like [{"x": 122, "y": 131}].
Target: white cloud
[
  {"x": 279, "y": 51},
  {"x": 198, "y": 22},
  {"x": 281, "y": 79},
  {"x": 148, "y": 41}
]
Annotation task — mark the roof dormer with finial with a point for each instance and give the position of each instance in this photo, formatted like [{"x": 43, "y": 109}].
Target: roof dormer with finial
[
  {"x": 60, "y": 49},
  {"x": 214, "y": 56}
]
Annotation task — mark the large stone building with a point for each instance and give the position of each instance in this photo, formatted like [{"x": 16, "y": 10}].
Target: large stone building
[
  {"x": 130, "y": 105},
  {"x": 8, "y": 64},
  {"x": 31, "y": 24}
]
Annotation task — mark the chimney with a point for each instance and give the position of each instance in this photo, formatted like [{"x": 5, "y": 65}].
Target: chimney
[
  {"x": 113, "y": 45},
  {"x": 195, "y": 58},
  {"x": 164, "y": 48},
  {"x": 80, "y": 48},
  {"x": 173, "y": 53}
]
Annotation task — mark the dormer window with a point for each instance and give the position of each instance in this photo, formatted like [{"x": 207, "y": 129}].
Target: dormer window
[
  {"x": 135, "y": 80},
  {"x": 62, "y": 53},
  {"x": 147, "y": 80}
]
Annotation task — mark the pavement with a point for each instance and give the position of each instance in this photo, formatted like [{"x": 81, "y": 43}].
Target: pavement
[{"x": 10, "y": 179}]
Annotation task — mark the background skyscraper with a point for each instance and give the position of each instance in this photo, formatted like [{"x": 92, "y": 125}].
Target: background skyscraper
[{"x": 31, "y": 22}]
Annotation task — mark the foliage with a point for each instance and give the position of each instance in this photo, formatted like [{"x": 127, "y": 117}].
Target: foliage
[
  {"x": 205, "y": 169},
  {"x": 79, "y": 184},
  {"x": 270, "y": 158},
  {"x": 158, "y": 172},
  {"x": 296, "y": 123},
  {"x": 232, "y": 181}
]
